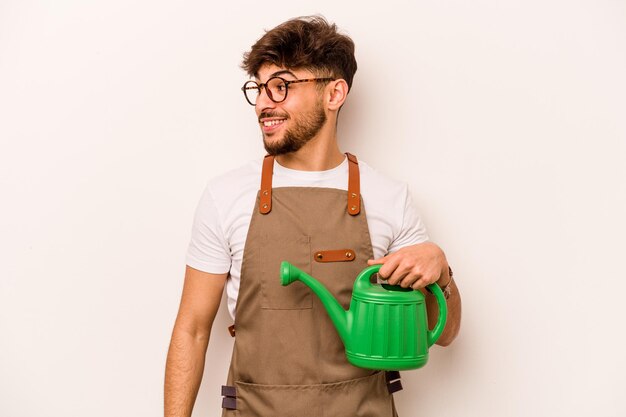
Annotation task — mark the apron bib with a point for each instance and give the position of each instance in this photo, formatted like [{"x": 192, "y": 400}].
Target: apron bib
[{"x": 288, "y": 360}]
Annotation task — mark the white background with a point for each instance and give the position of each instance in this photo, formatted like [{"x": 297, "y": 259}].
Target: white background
[{"x": 507, "y": 119}]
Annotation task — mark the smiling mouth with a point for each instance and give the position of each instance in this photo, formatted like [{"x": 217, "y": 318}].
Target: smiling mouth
[{"x": 271, "y": 123}]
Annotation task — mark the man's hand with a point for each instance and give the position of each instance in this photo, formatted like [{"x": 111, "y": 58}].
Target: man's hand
[
  {"x": 417, "y": 266},
  {"x": 414, "y": 266}
]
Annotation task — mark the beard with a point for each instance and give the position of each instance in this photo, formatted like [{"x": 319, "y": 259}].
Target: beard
[{"x": 303, "y": 130}]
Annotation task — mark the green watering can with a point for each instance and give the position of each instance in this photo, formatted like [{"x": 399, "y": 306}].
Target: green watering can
[{"x": 386, "y": 327}]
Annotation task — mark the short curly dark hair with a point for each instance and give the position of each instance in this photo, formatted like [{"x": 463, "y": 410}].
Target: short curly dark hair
[{"x": 307, "y": 42}]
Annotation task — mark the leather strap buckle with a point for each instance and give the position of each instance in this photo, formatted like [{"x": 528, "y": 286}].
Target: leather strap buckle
[
  {"x": 393, "y": 381},
  {"x": 229, "y": 401}
]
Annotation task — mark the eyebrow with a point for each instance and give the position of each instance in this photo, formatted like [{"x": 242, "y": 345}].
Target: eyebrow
[{"x": 281, "y": 72}]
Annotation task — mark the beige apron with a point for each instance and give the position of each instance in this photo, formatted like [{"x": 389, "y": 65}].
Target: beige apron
[{"x": 288, "y": 360}]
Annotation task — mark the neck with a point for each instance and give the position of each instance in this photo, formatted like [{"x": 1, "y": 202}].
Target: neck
[{"x": 320, "y": 154}]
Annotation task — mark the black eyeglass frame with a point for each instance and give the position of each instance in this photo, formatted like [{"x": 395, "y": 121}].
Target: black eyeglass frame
[{"x": 258, "y": 86}]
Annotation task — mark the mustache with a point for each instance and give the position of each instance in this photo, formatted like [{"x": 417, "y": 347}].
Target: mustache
[{"x": 272, "y": 114}]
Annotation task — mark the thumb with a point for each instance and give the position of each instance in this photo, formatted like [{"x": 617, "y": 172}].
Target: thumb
[{"x": 378, "y": 261}]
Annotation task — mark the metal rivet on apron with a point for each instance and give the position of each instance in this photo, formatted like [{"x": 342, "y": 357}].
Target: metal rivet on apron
[
  {"x": 264, "y": 206},
  {"x": 353, "y": 195},
  {"x": 348, "y": 255},
  {"x": 265, "y": 192},
  {"x": 319, "y": 256},
  {"x": 353, "y": 208}
]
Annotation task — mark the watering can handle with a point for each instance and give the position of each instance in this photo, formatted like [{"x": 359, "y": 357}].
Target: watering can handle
[
  {"x": 432, "y": 335},
  {"x": 363, "y": 279}
]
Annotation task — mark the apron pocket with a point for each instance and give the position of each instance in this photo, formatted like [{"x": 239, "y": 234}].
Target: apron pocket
[
  {"x": 295, "y": 250},
  {"x": 361, "y": 397}
]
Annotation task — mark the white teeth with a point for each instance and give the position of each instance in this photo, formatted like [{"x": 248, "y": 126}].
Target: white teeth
[{"x": 269, "y": 123}]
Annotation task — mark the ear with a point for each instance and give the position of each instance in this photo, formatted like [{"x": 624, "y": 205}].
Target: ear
[{"x": 337, "y": 94}]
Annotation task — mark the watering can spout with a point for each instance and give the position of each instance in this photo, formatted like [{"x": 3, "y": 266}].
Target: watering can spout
[{"x": 339, "y": 316}]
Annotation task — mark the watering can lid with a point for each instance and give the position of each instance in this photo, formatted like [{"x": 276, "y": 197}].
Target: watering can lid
[{"x": 389, "y": 294}]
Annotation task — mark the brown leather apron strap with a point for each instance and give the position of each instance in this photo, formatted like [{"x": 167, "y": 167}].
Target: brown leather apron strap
[
  {"x": 266, "y": 184},
  {"x": 229, "y": 401},
  {"x": 337, "y": 255},
  {"x": 354, "y": 186}
]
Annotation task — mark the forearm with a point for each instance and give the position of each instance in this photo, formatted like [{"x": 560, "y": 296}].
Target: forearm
[{"x": 183, "y": 372}]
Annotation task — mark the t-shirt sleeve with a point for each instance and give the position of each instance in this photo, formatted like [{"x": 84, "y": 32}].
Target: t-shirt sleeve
[
  {"x": 413, "y": 229},
  {"x": 208, "y": 249}
]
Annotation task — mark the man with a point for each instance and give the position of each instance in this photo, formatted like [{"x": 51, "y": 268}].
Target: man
[{"x": 322, "y": 210}]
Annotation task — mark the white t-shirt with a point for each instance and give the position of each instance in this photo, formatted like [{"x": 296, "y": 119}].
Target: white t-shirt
[{"x": 223, "y": 215}]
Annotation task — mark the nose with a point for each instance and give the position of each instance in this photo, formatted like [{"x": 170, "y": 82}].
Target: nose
[{"x": 263, "y": 101}]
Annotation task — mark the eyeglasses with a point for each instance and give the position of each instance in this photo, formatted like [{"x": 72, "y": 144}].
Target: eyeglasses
[{"x": 276, "y": 88}]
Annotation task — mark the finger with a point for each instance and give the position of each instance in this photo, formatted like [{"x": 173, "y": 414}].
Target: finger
[
  {"x": 409, "y": 279},
  {"x": 424, "y": 280},
  {"x": 399, "y": 276},
  {"x": 420, "y": 283},
  {"x": 389, "y": 266},
  {"x": 377, "y": 261}
]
